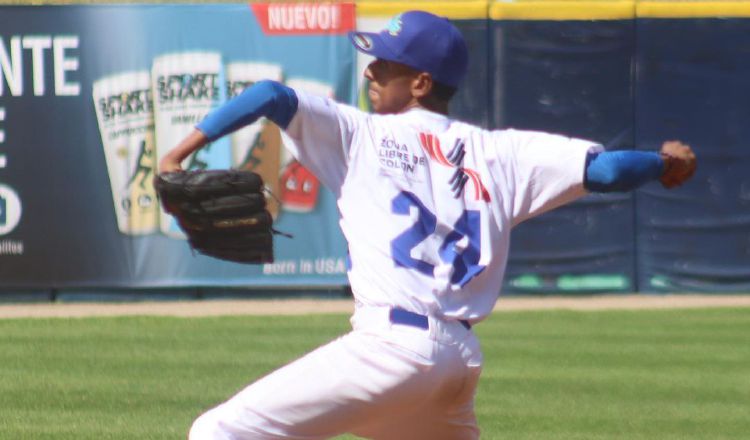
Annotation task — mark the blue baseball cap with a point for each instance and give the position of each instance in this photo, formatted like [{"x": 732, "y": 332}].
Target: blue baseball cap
[{"x": 422, "y": 41}]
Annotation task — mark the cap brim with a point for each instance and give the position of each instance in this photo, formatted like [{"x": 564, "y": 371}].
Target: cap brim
[{"x": 372, "y": 44}]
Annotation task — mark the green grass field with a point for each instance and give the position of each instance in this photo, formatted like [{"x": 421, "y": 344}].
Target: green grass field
[{"x": 676, "y": 374}]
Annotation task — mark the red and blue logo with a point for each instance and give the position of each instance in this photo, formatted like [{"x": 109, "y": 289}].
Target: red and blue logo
[{"x": 455, "y": 159}]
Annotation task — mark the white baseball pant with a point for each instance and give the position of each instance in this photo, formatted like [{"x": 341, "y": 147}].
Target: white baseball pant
[{"x": 383, "y": 380}]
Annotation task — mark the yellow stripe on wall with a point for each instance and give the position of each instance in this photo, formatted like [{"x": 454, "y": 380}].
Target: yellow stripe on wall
[
  {"x": 688, "y": 9},
  {"x": 559, "y": 9},
  {"x": 563, "y": 10},
  {"x": 466, "y": 10}
]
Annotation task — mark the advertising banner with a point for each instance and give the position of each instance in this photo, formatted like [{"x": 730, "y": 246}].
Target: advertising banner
[{"x": 92, "y": 96}]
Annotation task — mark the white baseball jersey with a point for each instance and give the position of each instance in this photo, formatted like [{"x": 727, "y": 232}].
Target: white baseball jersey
[{"x": 427, "y": 203}]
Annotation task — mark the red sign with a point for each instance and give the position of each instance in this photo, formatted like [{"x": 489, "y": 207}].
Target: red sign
[{"x": 304, "y": 18}]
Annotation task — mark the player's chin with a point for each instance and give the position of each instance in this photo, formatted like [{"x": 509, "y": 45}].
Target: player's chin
[{"x": 376, "y": 106}]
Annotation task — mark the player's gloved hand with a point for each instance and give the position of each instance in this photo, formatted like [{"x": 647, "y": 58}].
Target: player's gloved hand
[
  {"x": 222, "y": 212},
  {"x": 679, "y": 163}
]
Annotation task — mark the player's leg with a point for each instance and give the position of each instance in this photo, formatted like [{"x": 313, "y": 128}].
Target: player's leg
[
  {"x": 439, "y": 403},
  {"x": 452, "y": 419},
  {"x": 327, "y": 392},
  {"x": 368, "y": 378},
  {"x": 441, "y": 406},
  {"x": 287, "y": 403}
]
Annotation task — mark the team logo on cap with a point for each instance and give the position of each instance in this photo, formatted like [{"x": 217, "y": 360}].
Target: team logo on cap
[
  {"x": 394, "y": 26},
  {"x": 363, "y": 42}
]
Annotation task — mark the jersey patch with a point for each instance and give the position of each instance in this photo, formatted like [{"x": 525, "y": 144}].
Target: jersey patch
[
  {"x": 395, "y": 156},
  {"x": 455, "y": 159}
]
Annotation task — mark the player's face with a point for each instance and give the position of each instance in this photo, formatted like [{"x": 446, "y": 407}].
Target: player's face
[{"x": 390, "y": 89}]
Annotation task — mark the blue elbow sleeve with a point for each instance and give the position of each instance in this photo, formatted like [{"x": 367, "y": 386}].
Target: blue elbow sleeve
[
  {"x": 266, "y": 98},
  {"x": 620, "y": 171}
]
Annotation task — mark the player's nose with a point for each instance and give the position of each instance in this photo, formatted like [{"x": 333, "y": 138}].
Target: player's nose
[{"x": 368, "y": 73}]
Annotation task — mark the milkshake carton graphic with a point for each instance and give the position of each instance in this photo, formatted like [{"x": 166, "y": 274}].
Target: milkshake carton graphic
[
  {"x": 186, "y": 86},
  {"x": 124, "y": 112},
  {"x": 257, "y": 147},
  {"x": 299, "y": 187}
]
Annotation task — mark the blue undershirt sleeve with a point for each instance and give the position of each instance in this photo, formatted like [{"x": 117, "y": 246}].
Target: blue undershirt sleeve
[
  {"x": 271, "y": 99},
  {"x": 620, "y": 171}
]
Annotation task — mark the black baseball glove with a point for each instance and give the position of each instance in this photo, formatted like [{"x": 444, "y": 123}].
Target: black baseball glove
[{"x": 222, "y": 212}]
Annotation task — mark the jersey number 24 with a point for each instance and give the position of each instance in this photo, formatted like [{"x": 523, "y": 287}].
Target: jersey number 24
[{"x": 465, "y": 261}]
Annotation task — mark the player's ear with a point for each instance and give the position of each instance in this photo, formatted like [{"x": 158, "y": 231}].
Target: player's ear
[{"x": 421, "y": 85}]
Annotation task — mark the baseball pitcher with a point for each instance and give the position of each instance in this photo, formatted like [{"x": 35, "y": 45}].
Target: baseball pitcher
[{"x": 427, "y": 204}]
